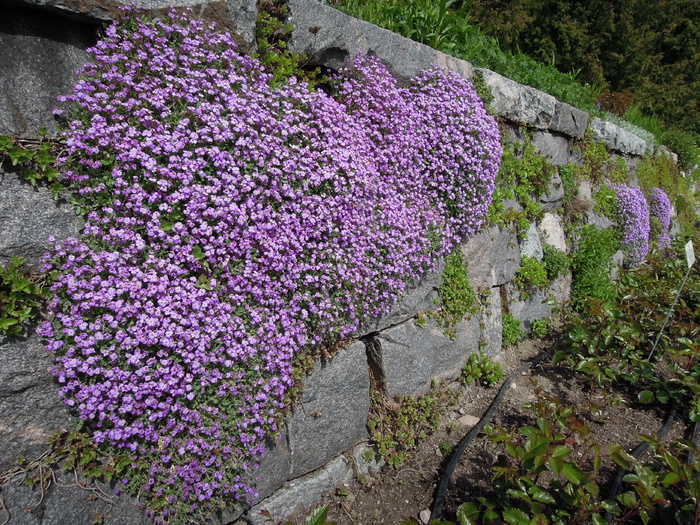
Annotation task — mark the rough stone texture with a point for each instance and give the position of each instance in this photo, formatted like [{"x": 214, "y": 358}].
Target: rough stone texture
[
  {"x": 275, "y": 468},
  {"x": 561, "y": 288},
  {"x": 411, "y": 355},
  {"x": 553, "y": 199},
  {"x": 332, "y": 414},
  {"x": 38, "y": 60},
  {"x": 419, "y": 297},
  {"x": 585, "y": 190},
  {"x": 522, "y": 104},
  {"x": 553, "y": 146},
  {"x": 493, "y": 257},
  {"x": 618, "y": 261},
  {"x": 617, "y": 138},
  {"x": 363, "y": 467},
  {"x": 530, "y": 245},
  {"x": 66, "y": 503},
  {"x": 340, "y": 37},
  {"x": 237, "y": 16},
  {"x": 301, "y": 493},
  {"x": 28, "y": 216},
  {"x": 597, "y": 220},
  {"x": 551, "y": 231},
  {"x": 529, "y": 309},
  {"x": 30, "y": 407},
  {"x": 491, "y": 321},
  {"x": 569, "y": 120}
]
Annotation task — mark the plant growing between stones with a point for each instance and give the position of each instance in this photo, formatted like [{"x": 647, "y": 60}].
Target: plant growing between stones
[
  {"x": 512, "y": 330},
  {"x": 457, "y": 297},
  {"x": 482, "y": 370},
  {"x": 531, "y": 274},
  {"x": 35, "y": 159},
  {"x": 556, "y": 262},
  {"x": 22, "y": 295}
]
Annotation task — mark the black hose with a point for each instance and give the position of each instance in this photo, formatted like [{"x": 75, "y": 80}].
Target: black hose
[
  {"x": 441, "y": 492},
  {"x": 636, "y": 454}
]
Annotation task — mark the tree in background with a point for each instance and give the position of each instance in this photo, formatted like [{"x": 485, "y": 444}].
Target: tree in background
[{"x": 651, "y": 49}]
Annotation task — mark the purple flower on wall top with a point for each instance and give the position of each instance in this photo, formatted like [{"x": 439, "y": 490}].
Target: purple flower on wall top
[
  {"x": 231, "y": 225},
  {"x": 660, "y": 209},
  {"x": 633, "y": 218}
]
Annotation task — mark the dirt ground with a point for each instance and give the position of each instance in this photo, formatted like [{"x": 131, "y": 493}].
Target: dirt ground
[{"x": 407, "y": 492}]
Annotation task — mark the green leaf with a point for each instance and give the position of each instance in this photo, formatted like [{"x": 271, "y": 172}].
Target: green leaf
[
  {"x": 467, "y": 514},
  {"x": 21, "y": 285},
  {"x": 556, "y": 464},
  {"x": 198, "y": 253},
  {"x": 628, "y": 499},
  {"x": 671, "y": 478},
  {"x": 543, "y": 496},
  {"x": 317, "y": 516},
  {"x": 516, "y": 517},
  {"x": 6, "y": 323},
  {"x": 573, "y": 473},
  {"x": 598, "y": 520},
  {"x": 646, "y": 397},
  {"x": 611, "y": 506},
  {"x": 561, "y": 451},
  {"x": 6, "y": 143}
]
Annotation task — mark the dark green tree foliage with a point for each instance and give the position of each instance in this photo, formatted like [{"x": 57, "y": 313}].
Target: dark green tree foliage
[{"x": 649, "y": 48}]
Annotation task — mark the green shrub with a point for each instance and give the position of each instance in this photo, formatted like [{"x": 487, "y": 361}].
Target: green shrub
[
  {"x": 567, "y": 172},
  {"x": 482, "y": 370},
  {"x": 512, "y": 330},
  {"x": 685, "y": 145},
  {"x": 21, "y": 297},
  {"x": 530, "y": 274},
  {"x": 555, "y": 261},
  {"x": 592, "y": 263},
  {"x": 606, "y": 202},
  {"x": 457, "y": 297}
]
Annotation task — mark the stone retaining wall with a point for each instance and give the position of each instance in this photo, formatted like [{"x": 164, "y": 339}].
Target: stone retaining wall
[{"x": 42, "y": 43}]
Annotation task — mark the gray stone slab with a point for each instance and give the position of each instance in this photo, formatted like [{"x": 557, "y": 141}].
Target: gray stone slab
[
  {"x": 554, "y": 146},
  {"x": 28, "y": 216},
  {"x": 530, "y": 244},
  {"x": 332, "y": 415},
  {"x": 275, "y": 469},
  {"x": 616, "y": 138},
  {"x": 301, "y": 493},
  {"x": 570, "y": 120},
  {"x": 337, "y": 37},
  {"x": 65, "y": 502},
  {"x": 493, "y": 257},
  {"x": 528, "y": 309},
  {"x": 491, "y": 322},
  {"x": 411, "y": 355},
  {"x": 38, "y": 60},
  {"x": 522, "y": 104},
  {"x": 551, "y": 231},
  {"x": 561, "y": 288},
  {"x": 31, "y": 410},
  {"x": 421, "y": 296}
]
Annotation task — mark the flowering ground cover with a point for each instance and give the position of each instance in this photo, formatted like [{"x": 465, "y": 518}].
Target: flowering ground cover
[
  {"x": 660, "y": 211},
  {"x": 633, "y": 218},
  {"x": 231, "y": 225}
]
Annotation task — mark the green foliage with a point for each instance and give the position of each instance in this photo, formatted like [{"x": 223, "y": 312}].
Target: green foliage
[
  {"x": 512, "y": 330},
  {"x": 685, "y": 145},
  {"x": 530, "y": 274},
  {"x": 567, "y": 172},
  {"x": 445, "y": 25},
  {"x": 482, "y": 370},
  {"x": 457, "y": 297},
  {"x": 397, "y": 426},
  {"x": 544, "y": 473},
  {"x": 272, "y": 33},
  {"x": 605, "y": 199},
  {"x": 34, "y": 158},
  {"x": 595, "y": 159},
  {"x": 523, "y": 176},
  {"x": 555, "y": 261},
  {"x": 541, "y": 328},
  {"x": 21, "y": 297},
  {"x": 591, "y": 265}
]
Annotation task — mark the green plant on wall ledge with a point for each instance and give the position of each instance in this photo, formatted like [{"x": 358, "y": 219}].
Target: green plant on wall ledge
[
  {"x": 531, "y": 274},
  {"x": 35, "y": 159},
  {"x": 457, "y": 297},
  {"x": 524, "y": 177},
  {"x": 21, "y": 297},
  {"x": 512, "y": 330},
  {"x": 482, "y": 370}
]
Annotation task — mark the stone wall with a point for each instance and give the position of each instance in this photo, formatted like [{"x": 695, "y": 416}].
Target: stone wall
[{"x": 42, "y": 43}]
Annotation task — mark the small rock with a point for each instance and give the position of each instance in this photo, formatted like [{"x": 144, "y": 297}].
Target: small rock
[
  {"x": 424, "y": 516},
  {"x": 514, "y": 385},
  {"x": 462, "y": 411},
  {"x": 468, "y": 420}
]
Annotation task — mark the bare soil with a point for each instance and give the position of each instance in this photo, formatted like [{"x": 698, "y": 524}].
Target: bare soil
[{"x": 391, "y": 495}]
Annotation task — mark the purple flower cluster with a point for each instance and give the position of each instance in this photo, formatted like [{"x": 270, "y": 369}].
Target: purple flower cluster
[
  {"x": 633, "y": 216},
  {"x": 660, "y": 209},
  {"x": 232, "y": 225}
]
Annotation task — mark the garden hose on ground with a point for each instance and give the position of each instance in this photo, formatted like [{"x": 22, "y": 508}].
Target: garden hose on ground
[
  {"x": 441, "y": 492},
  {"x": 636, "y": 454}
]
